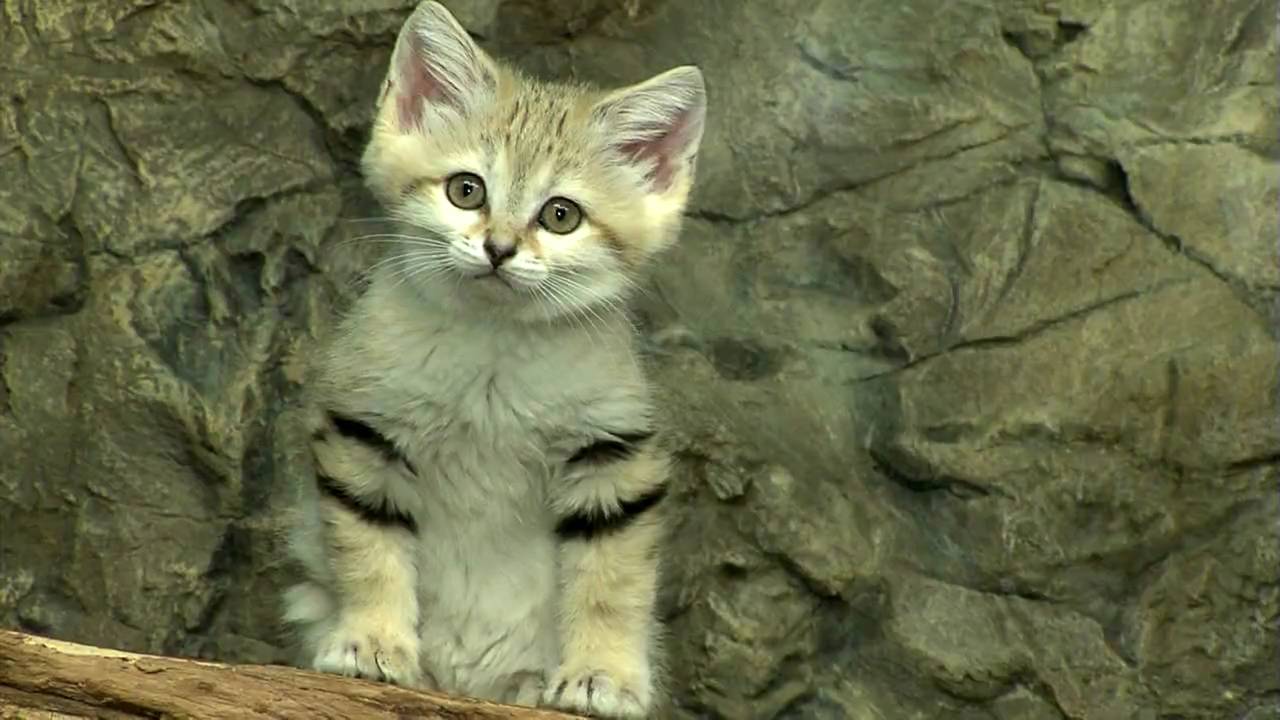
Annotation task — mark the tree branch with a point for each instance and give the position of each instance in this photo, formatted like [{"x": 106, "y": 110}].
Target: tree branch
[{"x": 45, "y": 678}]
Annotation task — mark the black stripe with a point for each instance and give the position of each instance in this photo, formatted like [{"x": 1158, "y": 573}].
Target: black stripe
[
  {"x": 362, "y": 432},
  {"x": 353, "y": 429},
  {"x": 590, "y": 524},
  {"x": 619, "y": 446},
  {"x": 379, "y": 514}
]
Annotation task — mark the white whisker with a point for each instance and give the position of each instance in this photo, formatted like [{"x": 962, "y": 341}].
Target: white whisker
[
  {"x": 423, "y": 264},
  {"x": 386, "y": 219},
  {"x": 551, "y": 287},
  {"x": 421, "y": 269},
  {"x": 588, "y": 309},
  {"x": 394, "y": 238},
  {"x": 611, "y": 303},
  {"x": 410, "y": 254}
]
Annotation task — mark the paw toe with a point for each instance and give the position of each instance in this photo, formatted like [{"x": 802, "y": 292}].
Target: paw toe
[
  {"x": 370, "y": 657},
  {"x": 596, "y": 694}
]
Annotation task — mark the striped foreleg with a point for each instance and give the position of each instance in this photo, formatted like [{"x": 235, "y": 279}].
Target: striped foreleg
[
  {"x": 370, "y": 527},
  {"x": 610, "y": 528}
]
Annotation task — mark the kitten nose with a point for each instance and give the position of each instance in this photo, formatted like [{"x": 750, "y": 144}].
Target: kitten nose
[{"x": 498, "y": 250}]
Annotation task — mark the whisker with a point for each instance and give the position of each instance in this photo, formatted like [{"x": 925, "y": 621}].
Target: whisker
[
  {"x": 627, "y": 280},
  {"x": 418, "y": 266},
  {"x": 542, "y": 299},
  {"x": 611, "y": 303},
  {"x": 393, "y": 238},
  {"x": 389, "y": 260},
  {"x": 434, "y": 256},
  {"x": 552, "y": 291},
  {"x": 587, "y": 311},
  {"x": 412, "y": 263},
  {"x": 578, "y": 319},
  {"x": 386, "y": 219}
]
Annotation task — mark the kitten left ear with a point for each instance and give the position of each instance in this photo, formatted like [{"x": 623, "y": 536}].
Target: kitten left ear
[
  {"x": 658, "y": 123},
  {"x": 435, "y": 67}
]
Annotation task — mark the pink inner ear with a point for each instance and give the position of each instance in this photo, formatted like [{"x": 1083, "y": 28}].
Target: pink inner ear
[
  {"x": 416, "y": 85},
  {"x": 664, "y": 150}
]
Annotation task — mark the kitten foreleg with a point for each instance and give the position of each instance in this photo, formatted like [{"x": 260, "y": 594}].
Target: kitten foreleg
[
  {"x": 369, "y": 535},
  {"x": 610, "y": 530}
]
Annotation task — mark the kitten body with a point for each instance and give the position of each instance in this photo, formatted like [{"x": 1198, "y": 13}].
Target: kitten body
[
  {"x": 487, "y": 417},
  {"x": 486, "y": 516}
]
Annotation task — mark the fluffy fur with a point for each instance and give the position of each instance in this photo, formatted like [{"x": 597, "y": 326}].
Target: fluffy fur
[{"x": 487, "y": 511}]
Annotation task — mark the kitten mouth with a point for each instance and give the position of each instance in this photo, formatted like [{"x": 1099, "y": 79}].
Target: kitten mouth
[{"x": 495, "y": 275}]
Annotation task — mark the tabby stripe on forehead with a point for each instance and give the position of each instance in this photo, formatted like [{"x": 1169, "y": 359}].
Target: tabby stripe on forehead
[
  {"x": 618, "y": 446},
  {"x": 593, "y": 523},
  {"x": 380, "y": 513},
  {"x": 361, "y": 432}
]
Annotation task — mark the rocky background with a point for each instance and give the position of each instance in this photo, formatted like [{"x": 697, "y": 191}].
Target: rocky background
[{"x": 970, "y": 343}]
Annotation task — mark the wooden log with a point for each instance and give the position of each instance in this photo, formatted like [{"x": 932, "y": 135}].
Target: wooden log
[{"x": 45, "y": 678}]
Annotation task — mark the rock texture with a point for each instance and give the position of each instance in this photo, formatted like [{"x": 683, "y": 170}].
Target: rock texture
[{"x": 970, "y": 343}]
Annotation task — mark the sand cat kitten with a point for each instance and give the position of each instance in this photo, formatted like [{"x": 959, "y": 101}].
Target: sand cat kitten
[{"x": 486, "y": 513}]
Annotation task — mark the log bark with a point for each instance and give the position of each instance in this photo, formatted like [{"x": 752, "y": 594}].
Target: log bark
[{"x": 45, "y": 678}]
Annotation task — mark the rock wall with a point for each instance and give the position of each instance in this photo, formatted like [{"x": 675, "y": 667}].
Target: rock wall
[{"x": 969, "y": 346}]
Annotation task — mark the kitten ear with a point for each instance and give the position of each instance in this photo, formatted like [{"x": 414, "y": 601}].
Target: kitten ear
[
  {"x": 435, "y": 68},
  {"x": 658, "y": 123}
]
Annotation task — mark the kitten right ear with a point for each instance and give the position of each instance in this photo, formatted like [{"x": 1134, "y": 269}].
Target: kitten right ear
[
  {"x": 436, "y": 69},
  {"x": 658, "y": 123}
]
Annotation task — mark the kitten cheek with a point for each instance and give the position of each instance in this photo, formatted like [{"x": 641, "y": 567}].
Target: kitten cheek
[
  {"x": 468, "y": 257},
  {"x": 554, "y": 245},
  {"x": 528, "y": 271},
  {"x": 577, "y": 250}
]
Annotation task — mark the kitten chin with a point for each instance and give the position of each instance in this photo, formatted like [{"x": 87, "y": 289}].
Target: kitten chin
[{"x": 492, "y": 298}]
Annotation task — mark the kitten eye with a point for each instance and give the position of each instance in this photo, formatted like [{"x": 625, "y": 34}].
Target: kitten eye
[
  {"x": 465, "y": 190},
  {"x": 560, "y": 216}
]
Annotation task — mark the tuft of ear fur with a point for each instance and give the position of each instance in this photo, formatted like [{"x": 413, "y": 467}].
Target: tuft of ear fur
[
  {"x": 657, "y": 124},
  {"x": 436, "y": 69}
]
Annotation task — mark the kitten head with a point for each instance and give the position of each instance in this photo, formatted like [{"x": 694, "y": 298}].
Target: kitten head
[{"x": 534, "y": 198}]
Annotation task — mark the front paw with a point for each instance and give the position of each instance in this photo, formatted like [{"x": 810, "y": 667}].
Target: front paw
[
  {"x": 597, "y": 693},
  {"x": 364, "y": 649}
]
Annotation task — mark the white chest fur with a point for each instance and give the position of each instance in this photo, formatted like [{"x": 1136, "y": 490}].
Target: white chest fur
[{"x": 487, "y": 412}]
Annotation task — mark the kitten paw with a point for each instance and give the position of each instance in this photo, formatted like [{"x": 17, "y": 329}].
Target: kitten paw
[
  {"x": 596, "y": 693},
  {"x": 358, "y": 650}
]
